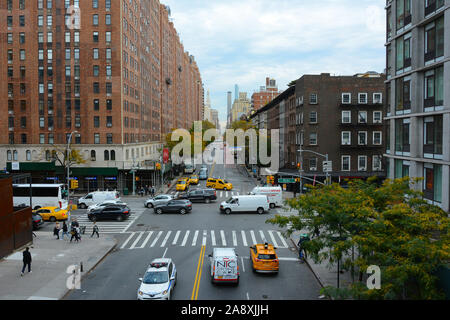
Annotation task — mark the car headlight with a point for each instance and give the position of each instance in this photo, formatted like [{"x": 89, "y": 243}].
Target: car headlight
[
  {"x": 140, "y": 293},
  {"x": 164, "y": 292}
]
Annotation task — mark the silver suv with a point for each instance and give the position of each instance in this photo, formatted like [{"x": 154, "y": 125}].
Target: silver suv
[{"x": 160, "y": 199}]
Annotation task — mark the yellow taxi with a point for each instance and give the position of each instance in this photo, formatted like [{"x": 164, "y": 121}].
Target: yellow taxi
[
  {"x": 182, "y": 185},
  {"x": 52, "y": 213},
  {"x": 264, "y": 258},
  {"x": 193, "y": 179},
  {"x": 218, "y": 184}
]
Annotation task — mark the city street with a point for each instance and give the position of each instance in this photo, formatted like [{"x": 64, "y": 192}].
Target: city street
[{"x": 147, "y": 236}]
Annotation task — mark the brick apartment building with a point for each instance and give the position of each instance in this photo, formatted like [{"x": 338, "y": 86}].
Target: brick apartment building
[
  {"x": 113, "y": 71},
  {"x": 340, "y": 116},
  {"x": 265, "y": 94}
]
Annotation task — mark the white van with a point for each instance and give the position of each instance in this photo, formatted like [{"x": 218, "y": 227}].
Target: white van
[
  {"x": 97, "y": 197},
  {"x": 224, "y": 266},
  {"x": 275, "y": 195},
  {"x": 252, "y": 203}
]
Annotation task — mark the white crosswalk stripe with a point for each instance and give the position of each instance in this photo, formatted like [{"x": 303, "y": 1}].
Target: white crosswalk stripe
[
  {"x": 143, "y": 239},
  {"x": 107, "y": 226}
]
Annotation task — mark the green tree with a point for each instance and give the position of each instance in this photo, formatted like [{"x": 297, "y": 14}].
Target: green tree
[{"x": 390, "y": 226}]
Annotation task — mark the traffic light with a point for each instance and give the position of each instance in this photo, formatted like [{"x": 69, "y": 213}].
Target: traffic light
[
  {"x": 137, "y": 178},
  {"x": 74, "y": 184},
  {"x": 158, "y": 166},
  {"x": 270, "y": 179},
  {"x": 299, "y": 165}
]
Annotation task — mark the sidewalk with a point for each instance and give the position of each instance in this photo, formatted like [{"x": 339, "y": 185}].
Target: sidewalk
[
  {"x": 51, "y": 258},
  {"x": 325, "y": 274}
]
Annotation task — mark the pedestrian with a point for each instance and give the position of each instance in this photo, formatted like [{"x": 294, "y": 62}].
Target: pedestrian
[
  {"x": 56, "y": 230},
  {"x": 146, "y": 190},
  {"x": 142, "y": 191},
  {"x": 74, "y": 223},
  {"x": 73, "y": 233},
  {"x": 77, "y": 234},
  {"x": 26, "y": 260},
  {"x": 153, "y": 191},
  {"x": 95, "y": 230},
  {"x": 64, "y": 230}
]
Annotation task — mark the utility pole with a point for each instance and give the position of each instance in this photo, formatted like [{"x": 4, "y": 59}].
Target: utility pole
[{"x": 68, "y": 172}]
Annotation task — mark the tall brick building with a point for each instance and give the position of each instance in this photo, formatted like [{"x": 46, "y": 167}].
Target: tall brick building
[
  {"x": 113, "y": 71},
  {"x": 265, "y": 94}
]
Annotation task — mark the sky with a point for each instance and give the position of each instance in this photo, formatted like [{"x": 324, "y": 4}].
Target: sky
[{"x": 244, "y": 41}]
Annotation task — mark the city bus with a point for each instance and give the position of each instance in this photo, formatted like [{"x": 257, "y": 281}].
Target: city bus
[{"x": 42, "y": 195}]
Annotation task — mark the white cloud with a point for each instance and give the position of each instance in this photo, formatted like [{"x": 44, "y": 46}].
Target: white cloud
[{"x": 245, "y": 41}]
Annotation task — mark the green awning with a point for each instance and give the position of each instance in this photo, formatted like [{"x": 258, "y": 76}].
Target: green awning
[
  {"x": 35, "y": 166},
  {"x": 83, "y": 172}
]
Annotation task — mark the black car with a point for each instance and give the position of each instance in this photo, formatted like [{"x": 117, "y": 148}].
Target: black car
[
  {"x": 199, "y": 195},
  {"x": 174, "y": 206},
  {"x": 111, "y": 212},
  {"x": 37, "y": 220}
]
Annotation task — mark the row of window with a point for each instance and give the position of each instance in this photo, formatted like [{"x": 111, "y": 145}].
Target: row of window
[
  {"x": 346, "y": 163},
  {"x": 377, "y": 138},
  {"x": 346, "y": 98}
]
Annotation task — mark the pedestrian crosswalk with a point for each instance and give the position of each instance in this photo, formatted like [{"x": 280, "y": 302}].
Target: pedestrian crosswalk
[
  {"x": 109, "y": 227},
  {"x": 215, "y": 238},
  {"x": 219, "y": 194}
]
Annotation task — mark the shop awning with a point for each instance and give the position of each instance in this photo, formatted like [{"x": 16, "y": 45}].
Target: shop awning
[{"x": 83, "y": 172}]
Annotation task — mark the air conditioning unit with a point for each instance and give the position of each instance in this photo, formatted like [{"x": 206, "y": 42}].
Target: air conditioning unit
[
  {"x": 11, "y": 129},
  {"x": 50, "y": 128},
  {"x": 10, "y": 111},
  {"x": 313, "y": 169}
]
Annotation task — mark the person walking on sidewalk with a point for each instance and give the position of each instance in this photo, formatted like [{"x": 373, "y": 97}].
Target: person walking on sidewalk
[
  {"x": 64, "y": 230},
  {"x": 95, "y": 230},
  {"x": 56, "y": 230},
  {"x": 152, "y": 191},
  {"x": 26, "y": 260}
]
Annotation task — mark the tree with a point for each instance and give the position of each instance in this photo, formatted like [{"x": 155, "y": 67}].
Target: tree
[{"x": 390, "y": 226}]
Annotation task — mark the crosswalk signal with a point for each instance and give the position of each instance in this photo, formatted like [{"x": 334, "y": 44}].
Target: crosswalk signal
[
  {"x": 270, "y": 179},
  {"x": 74, "y": 184}
]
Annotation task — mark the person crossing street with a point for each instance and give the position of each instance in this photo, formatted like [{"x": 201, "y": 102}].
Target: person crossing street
[{"x": 95, "y": 230}]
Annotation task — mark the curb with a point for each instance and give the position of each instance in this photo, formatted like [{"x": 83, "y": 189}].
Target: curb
[
  {"x": 309, "y": 266},
  {"x": 86, "y": 273}
]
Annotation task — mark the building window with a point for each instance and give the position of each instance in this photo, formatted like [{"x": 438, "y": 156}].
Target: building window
[
  {"x": 95, "y": 19},
  {"x": 28, "y": 155},
  {"x": 346, "y": 98},
  {"x": 362, "y": 116},
  {"x": 403, "y": 94},
  {"x": 41, "y": 138},
  {"x": 346, "y": 138},
  {"x": 434, "y": 40},
  {"x": 434, "y": 89},
  {"x": 313, "y": 117},
  {"x": 108, "y": 104},
  {"x": 362, "y": 138},
  {"x": 95, "y": 36},
  {"x": 402, "y": 136},
  {"x": 403, "y": 14},
  {"x": 433, "y": 182},
  {"x": 93, "y": 155},
  {"x": 433, "y": 137},
  {"x": 403, "y": 53},
  {"x": 113, "y": 155},
  {"x": 96, "y": 138},
  {"x": 377, "y": 163},
  {"x": 313, "y": 139},
  {"x": 106, "y": 155},
  {"x": 313, "y": 98},
  {"x": 362, "y": 98},
  {"x": 377, "y": 117},
  {"x": 345, "y": 163},
  {"x": 109, "y": 139},
  {"x": 362, "y": 163},
  {"x": 313, "y": 164},
  {"x": 377, "y": 137}
]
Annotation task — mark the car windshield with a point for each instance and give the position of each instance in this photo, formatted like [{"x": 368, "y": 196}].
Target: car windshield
[
  {"x": 57, "y": 209},
  {"x": 156, "y": 277},
  {"x": 182, "y": 182},
  {"x": 230, "y": 200}
]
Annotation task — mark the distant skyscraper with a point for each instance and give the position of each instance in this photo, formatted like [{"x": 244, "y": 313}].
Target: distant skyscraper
[
  {"x": 229, "y": 102},
  {"x": 236, "y": 92},
  {"x": 207, "y": 109}
]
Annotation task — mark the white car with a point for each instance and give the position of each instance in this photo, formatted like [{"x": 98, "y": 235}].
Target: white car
[
  {"x": 162, "y": 198},
  {"x": 105, "y": 203},
  {"x": 158, "y": 281}
]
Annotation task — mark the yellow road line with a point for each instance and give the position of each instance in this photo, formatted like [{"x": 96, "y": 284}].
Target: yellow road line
[
  {"x": 200, "y": 274},
  {"x": 197, "y": 278},
  {"x": 212, "y": 170}
]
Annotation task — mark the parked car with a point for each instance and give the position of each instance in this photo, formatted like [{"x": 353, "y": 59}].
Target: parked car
[
  {"x": 264, "y": 258},
  {"x": 110, "y": 212},
  {"x": 162, "y": 198},
  {"x": 52, "y": 213},
  {"x": 159, "y": 280},
  {"x": 174, "y": 206},
  {"x": 97, "y": 197},
  {"x": 105, "y": 203},
  {"x": 259, "y": 204},
  {"x": 37, "y": 220},
  {"x": 199, "y": 195}
]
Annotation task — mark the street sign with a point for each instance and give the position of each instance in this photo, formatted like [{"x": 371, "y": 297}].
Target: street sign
[
  {"x": 327, "y": 166},
  {"x": 286, "y": 180},
  {"x": 15, "y": 166}
]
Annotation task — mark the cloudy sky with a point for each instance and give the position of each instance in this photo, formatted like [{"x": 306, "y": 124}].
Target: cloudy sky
[{"x": 243, "y": 41}]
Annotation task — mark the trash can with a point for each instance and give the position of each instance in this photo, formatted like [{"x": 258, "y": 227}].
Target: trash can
[{"x": 125, "y": 191}]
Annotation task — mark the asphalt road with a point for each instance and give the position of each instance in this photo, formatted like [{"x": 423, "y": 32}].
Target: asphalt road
[{"x": 181, "y": 238}]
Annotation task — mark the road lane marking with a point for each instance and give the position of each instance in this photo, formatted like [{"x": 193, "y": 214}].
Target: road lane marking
[
  {"x": 146, "y": 239},
  {"x": 205, "y": 233},
  {"x": 289, "y": 259},
  {"x": 222, "y": 234},
  {"x": 165, "y": 251},
  {"x": 176, "y": 238},
  {"x": 263, "y": 237},
  {"x": 275, "y": 244},
  {"x": 248, "y": 297},
  {"x": 252, "y": 233},
  {"x": 165, "y": 239},
  {"x": 282, "y": 239},
  {"x": 243, "y": 266},
  {"x": 156, "y": 239},
  {"x": 213, "y": 238},
  {"x": 185, "y": 238},
  {"x": 194, "y": 241},
  {"x": 137, "y": 240},
  {"x": 126, "y": 241},
  {"x": 244, "y": 239},
  {"x": 198, "y": 274},
  {"x": 234, "y": 238}
]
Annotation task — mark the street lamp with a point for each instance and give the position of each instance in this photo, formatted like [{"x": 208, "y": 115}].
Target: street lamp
[
  {"x": 68, "y": 171},
  {"x": 316, "y": 153}
]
